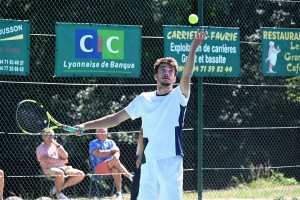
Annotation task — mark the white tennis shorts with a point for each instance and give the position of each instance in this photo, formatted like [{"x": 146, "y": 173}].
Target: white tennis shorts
[{"x": 162, "y": 179}]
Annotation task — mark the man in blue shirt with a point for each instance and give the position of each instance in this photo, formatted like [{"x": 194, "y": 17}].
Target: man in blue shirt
[{"x": 105, "y": 156}]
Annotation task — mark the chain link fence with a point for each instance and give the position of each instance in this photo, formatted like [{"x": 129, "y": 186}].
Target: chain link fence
[{"x": 250, "y": 123}]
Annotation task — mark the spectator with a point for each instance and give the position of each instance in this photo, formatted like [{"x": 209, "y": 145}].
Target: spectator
[
  {"x": 105, "y": 159},
  {"x": 53, "y": 159}
]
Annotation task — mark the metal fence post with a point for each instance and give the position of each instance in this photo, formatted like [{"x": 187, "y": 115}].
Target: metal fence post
[{"x": 200, "y": 114}]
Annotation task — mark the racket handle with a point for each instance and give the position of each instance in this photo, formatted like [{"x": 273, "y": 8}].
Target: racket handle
[{"x": 71, "y": 129}]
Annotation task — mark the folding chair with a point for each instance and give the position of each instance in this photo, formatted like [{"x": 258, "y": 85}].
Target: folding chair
[{"x": 96, "y": 178}]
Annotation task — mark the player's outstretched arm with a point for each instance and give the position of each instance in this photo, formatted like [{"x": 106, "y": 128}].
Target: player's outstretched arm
[
  {"x": 190, "y": 63},
  {"x": 105, "y": 122}
]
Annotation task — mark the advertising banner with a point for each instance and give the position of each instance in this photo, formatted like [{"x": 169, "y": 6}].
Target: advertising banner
[
  {"x": 14, "y": 47},
  {"x": 218, "y": 55},
  {"x": 97, "y": 50},
  {"x": 280, "y": 52}
]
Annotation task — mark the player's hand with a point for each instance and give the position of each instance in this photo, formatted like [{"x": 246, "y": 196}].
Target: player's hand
[
  {"x": 199, "y": 37},
  {"x": 138, "y": 163},
  {"x": 79, "y": 129}
]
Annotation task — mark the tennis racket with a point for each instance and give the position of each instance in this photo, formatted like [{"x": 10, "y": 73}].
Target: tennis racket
[{"x": 33, "y": 118}]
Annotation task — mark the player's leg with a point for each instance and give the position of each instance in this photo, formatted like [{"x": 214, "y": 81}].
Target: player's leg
[
  {"x": 149, "y": 189},
  {"x": 1, "y": 184},
  {"x": 75, "y": 176},
  {"x": 171, "y": 178}
]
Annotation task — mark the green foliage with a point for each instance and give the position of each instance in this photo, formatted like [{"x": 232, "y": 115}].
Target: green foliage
[
  {"x": 293, "y": 90},
  {"x": 263, "y": 176},
  {"x": 259, "y": 173},
  {"x": 283, "y": 198},
  {"x": 262, "y": 171},
  {"x": 280, "y": 198},
  {"x": 275, "y": 180},
  {"x": 279, "y": 178}
]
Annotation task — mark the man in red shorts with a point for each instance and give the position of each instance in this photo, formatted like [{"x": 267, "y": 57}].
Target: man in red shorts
[{"x": 105, "y": 156}]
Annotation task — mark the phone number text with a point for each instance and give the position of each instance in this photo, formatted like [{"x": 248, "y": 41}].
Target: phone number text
[
  {"x": 12, "y": 68},
  {"x": 211, "y": 69},
  {"x": 12, "y": 65}
]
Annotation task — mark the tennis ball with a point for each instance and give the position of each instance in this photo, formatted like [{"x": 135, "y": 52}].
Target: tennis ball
[{"x": 193, "y": 19}]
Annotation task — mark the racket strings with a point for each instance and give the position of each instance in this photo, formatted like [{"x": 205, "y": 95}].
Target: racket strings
[{"x": 31, "y": 117}]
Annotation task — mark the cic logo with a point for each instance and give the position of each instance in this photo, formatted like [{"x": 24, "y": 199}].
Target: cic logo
[{"x": 104, "y": 44}]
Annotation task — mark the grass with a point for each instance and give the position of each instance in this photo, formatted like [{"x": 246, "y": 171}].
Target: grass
[
  {"x": 274, "y": 186},
  {"x": 265, "y": 185},
  {"x": 266, "y": 190},
  {"x": 263, "y": 192}
]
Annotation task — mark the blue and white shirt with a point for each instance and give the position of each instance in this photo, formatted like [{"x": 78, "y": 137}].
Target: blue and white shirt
[
  {"x": 98, "y": 144},
  {"x": 162, "y": 122}
]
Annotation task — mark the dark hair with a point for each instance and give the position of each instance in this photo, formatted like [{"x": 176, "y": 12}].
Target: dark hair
[{"x": 171, "y": 61}]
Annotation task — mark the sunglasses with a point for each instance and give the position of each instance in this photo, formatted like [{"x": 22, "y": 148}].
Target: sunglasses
[{"x": 49, "y": 135}]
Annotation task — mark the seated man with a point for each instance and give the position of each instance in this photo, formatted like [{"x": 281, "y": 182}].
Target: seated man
[
  {"x": 53, "y": 159},
  {"x": 1, "y": 184},
  {"x": 105, "y": 159}
]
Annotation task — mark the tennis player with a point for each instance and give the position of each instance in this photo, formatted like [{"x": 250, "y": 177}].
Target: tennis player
[{"x": 162, "y": 113}]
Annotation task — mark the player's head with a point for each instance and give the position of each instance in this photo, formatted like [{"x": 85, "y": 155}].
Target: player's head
[
  {"x": 168, "y": 60},
  {"x": 165, "y": 71},
  {"x": 101, "y": 133}
]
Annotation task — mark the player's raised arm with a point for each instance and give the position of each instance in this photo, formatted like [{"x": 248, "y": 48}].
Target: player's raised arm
[{"x": 190, "y": 63}]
